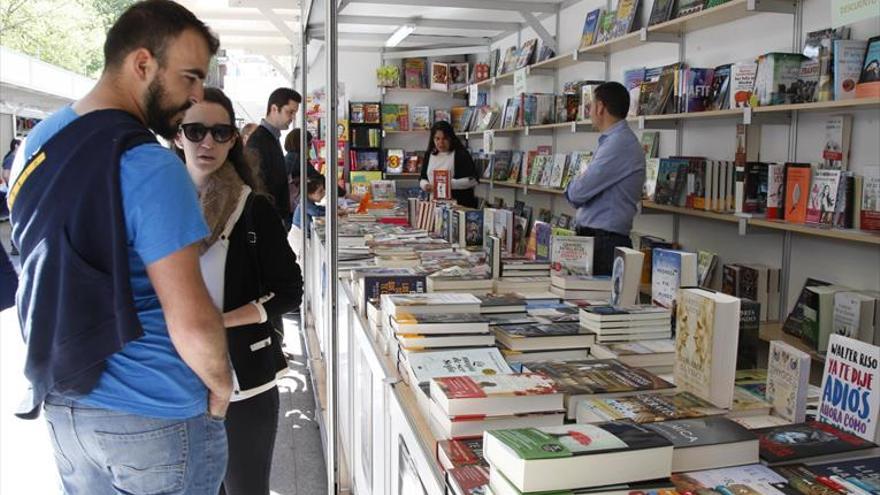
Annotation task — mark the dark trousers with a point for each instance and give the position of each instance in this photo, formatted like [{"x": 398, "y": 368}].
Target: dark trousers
[
  {"x": 251, "y": 426},
  {"x": 604, "y": 243}
]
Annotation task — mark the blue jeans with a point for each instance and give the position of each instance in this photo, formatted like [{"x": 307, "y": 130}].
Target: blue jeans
[{"x": 99, "y": 451}]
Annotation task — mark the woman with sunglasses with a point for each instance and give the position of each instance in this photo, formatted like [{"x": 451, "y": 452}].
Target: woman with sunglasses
[{"x": 251, "y": 274}]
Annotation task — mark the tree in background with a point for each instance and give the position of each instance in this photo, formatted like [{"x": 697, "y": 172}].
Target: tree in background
[{"x": 65, "y": 33}]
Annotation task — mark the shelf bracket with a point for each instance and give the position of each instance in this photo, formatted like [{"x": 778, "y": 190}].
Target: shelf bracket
[
  {"x": 656, "y": 124},
  {"x": 589, "y": 56},
  {"x": 546, "y": 38},
  {"x": 650, "y": 37},
  {"x": 775, "y": 6},
  {"x": 772, "y": 118},
  {"x": 539, "y": 71}
]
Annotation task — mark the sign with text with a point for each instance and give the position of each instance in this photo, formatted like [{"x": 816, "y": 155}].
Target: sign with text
[
  {"x": 845, "y": 12},
  {"x": 850, "y": 397}
]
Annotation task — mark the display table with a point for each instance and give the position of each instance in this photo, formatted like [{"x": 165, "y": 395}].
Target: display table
[{"x": 384, "y": 440}]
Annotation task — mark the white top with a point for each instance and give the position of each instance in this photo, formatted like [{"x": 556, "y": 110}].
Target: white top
[
  {"x": 446, "y": 161},
  {"x": 213, "y": 262}
]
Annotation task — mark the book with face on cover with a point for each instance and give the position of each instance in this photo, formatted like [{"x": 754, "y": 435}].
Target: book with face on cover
[
  {"x": 645, "y": 408},
  {"x": 810, "y": 441},
  {"x": 562, "y": 457},
  {"x": 707, "y": 326}
]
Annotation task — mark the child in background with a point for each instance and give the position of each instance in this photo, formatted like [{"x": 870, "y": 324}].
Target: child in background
[{"x": 315, "y": 193}]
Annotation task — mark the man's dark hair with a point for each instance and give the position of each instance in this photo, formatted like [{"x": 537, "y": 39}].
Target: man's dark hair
[
  {"x": 614, "y": 96},
  {"x": 281, "y": 96},
  {"x": 151, "y": 24},
  {"x": 315, "y": 183},
  {"x": 291, "y": 142}
]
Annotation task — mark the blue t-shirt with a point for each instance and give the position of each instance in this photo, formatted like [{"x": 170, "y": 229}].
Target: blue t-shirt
[{"x": 162, "y": 215}]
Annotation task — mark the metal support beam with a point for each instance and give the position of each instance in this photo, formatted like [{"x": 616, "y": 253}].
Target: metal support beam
[
  {"x": 429, "y": 23},
  {"x": 649, "y": 37},
  {"x": 331, "y": 284},
  {"x": 436, "y": 52},
  {"x": 539, "y": 28},
  {"x": 415, "y": 39},
  {"x": 543, "y": 7},
  {"x": 304, "y": 160},
  {"x": 273, "y": 59},
  {"x": 280, "y": 25}
]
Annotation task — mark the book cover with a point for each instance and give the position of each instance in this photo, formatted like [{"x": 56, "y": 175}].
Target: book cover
[
  {"x": 571, "y": 255},
  {"x": 372, "y": 113},
  {"x": 660, "y": 11},
  {"x": 719, "y": 93},
  {"x": 526, "y": 55},
  {"x": 469, "y": 480},
  {"x": 838, "y": 131},
  {"x": 850, "y": 396},
  {"x": 790, "y": 443},
  {"x": 474, "y": 361},
  {"x": 473, "y": 228},
  {"x": 439, "y": 76},
  {"x": 421, "y": 118},
  {"x": 442, "y": 115},
  {"x": 666, "y": 275},
  {"x": 442, "y": 187},
  {"x": 775, "y": 190},
  {"x": 500, "y": 385},
  {"x": 796, "y": 323},
  {"x": 694, "y": 343},
  {"x": 600, "y": 376},
  {"x": 797, "y": 191},
  {"x": 742, "y": 84},
  {"x": 864, "y": 473},
  {"x": 699, "y": 432},
  {"x": 806, "y": 88},
  {"x": 543, "y": 238},
  {"x": 415, "y": 73},
  {"x": 823, "y": 196},
  {"x": 623, "y": 21},
  {"x": 699, "y": 89},
  {"x": 462, "y": 452},
  {"x": 458, "y": 76},
  {"x": 591, "y": 26},
  {"x": 574, "y": 440},
  {"x": 560, "y": 161},
  {"x": 606, "y": 25},
  {"x": 645, "y": 408},
  {"x": 776, "y": 80},
  {"x": 788, "y": 375},
  {"x": 869, "y": 216},
  {"x": 383, "y": 190},
  {"x": 869, "y": 78},
  {"x": 686, "y": 7},
  {"x": 394, "y": 161},
  {"x": 854, "y": 314},
  {"x": 625, "y": 276},
  {"x": 752, "y": 479},
  {"x": 509, "y": 62}
]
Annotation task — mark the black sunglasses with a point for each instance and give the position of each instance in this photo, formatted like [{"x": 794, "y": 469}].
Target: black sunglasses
[{"x": 195, "y": 132}]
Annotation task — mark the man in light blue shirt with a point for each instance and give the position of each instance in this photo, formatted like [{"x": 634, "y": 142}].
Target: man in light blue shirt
[{"x": 607, "y": 194}]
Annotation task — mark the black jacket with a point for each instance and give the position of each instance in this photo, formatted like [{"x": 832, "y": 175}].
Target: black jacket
[
  {"x": 272, "y": 168},
  {"x": 266, "y": 271},
  {"x": 464, "y": 167}
]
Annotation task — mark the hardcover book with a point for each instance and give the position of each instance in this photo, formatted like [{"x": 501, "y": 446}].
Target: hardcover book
[
  {"x": 788, "y": 377},
  {"x": 850, "y": 395},
  {"x": 558, "y": 458},
  {"x": 707, "y": 324},
  {"x": 803, "y": 441},
  {"x": 597, "y": 377},
  {"x": 707, "y": 443},
  {"x": 645, "y": 408}
]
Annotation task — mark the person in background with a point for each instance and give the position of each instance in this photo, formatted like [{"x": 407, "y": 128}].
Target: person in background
[
  {"x": 249, "y": 283},
  {"x": 246, "y": 131},
  {"x": 607, "y": 194},
  {"x": 265, "y": 141},
  {"x": 315, "y": 190},
  {"x": 445, "y": 152},
  {"x": 7, "y": 160},
  {"x": 126, "y": 352}
]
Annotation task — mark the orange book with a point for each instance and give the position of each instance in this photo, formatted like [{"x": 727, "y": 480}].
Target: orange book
[{"x": 797, "y": 192}]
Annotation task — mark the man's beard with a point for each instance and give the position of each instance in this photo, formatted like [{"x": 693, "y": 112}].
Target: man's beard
[{"x": 161, "y": 119}]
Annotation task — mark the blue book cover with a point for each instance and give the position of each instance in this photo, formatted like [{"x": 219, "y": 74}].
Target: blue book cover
[
  {"x": 699, "y": 89},
  {"x": 665, "y": 276},
  {"x": 591, "y": 23},
  {"x": 543, "y": 234},
  {"x": 473, "y": 228},
  {"x": 376, "y": 285}
]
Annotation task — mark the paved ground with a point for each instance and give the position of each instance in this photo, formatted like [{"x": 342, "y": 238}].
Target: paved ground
[{"x": 26, "y": 460}]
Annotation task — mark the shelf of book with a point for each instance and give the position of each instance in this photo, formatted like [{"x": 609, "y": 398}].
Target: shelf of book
[
  {"x": 414, "y": 131},
  {"x": 724, "y": 217},
  {"x": 850, "y": 235},
  {"x": 529, "y": 188},
  {"x": 855, "y": 103},
  {"x": 773, "y": 331},
  {"x": 402, "y": 176},
  {"x": 733, "y": 10},
  {"x": 386, "y": 90}
]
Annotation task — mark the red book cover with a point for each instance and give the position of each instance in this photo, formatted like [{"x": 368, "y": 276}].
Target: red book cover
[
  {"x": 442, "y": 186},
  {"x": 464, "y": 452},
  {"x": 469, "y": 480},
  {"x": 460, "y": 387},
  {"x": 797, "y": 193}
]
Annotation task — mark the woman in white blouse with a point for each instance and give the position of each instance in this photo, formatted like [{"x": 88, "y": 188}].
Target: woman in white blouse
[{"x": 445, "y": 152}]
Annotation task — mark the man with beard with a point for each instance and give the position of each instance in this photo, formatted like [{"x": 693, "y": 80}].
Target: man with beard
[
  {"x": 126, "y": 351},
  {"x": 265, "y": 141}
]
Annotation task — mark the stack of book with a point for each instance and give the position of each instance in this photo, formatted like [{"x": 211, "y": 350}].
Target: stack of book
[
  {"x": 524, "y": 267},
  {"x": 419, "y": 321},
  {"x": 544, "y": 337},
  {"x": 625, "y": 324},
  {"x": 656, "y": 356},
  {"x": 467, "y": 406},
  {"x": 591, "y": 288}
]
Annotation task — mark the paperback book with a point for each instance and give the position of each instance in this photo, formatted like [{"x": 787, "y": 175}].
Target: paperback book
[
  {"x": 788, "y": 375},
  {"x": 850, "y": 396},
  {"x": 645, "y": 408}
]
